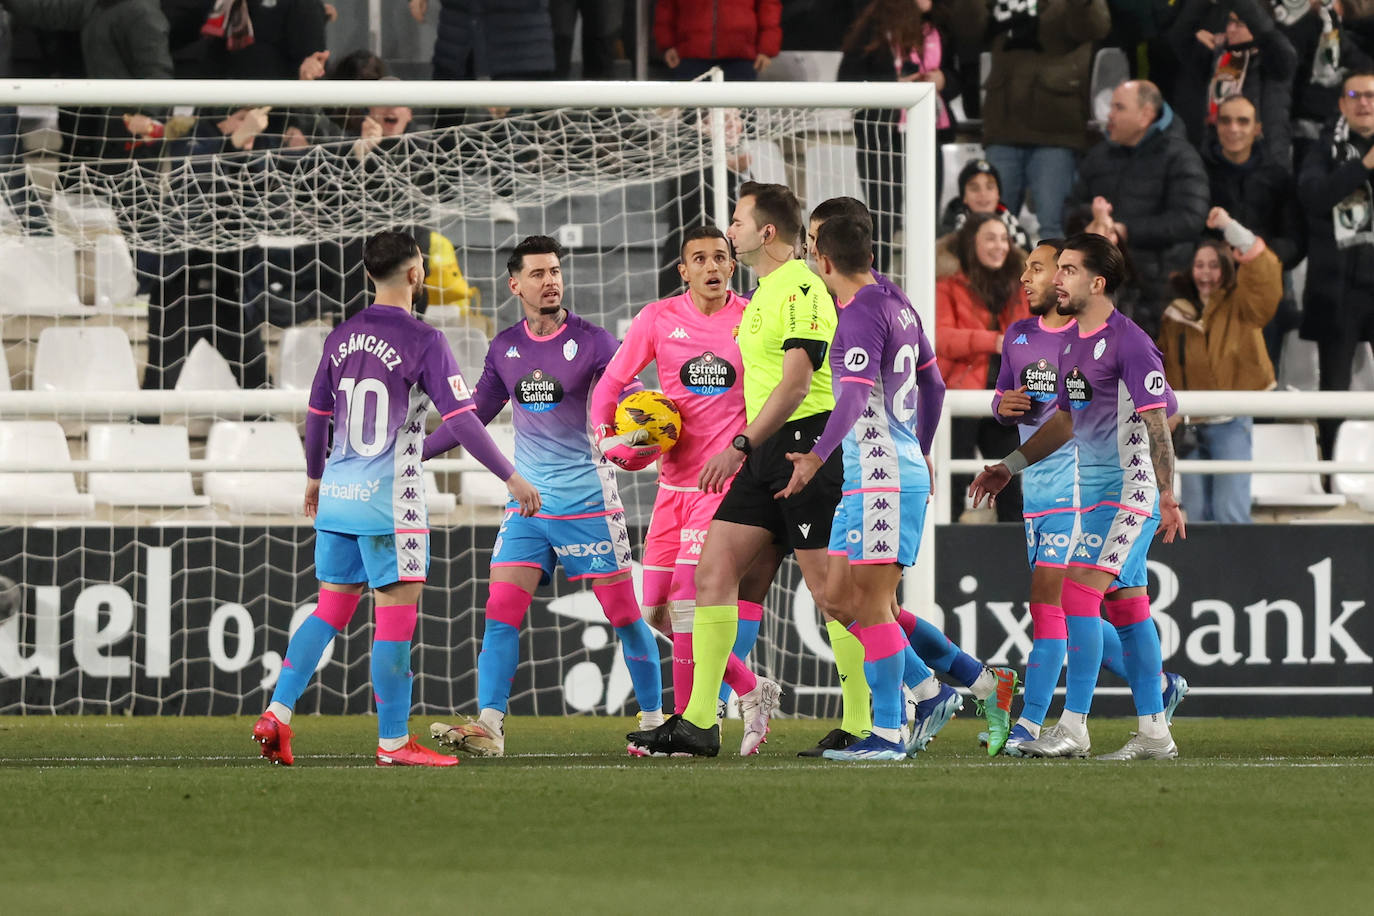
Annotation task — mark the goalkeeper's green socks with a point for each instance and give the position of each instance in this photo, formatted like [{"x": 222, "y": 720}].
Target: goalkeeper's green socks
[
  {"x": 849, "y": 662},
  {"x": 713, "y": 636}
]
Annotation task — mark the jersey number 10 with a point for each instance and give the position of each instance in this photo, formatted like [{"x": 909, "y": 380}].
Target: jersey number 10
[{"x": 355, "y": 394}]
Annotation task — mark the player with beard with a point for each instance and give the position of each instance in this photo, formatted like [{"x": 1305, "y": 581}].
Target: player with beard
[
  {"x": 1113, "y": 399},
  {"x": 548, "y": 364},
  {"x": 380, "y": 372},
  {"x": 1027, "y": 394}
]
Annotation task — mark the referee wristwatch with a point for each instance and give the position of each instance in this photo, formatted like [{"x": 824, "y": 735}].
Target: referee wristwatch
[{"x": 741, "y": 443}]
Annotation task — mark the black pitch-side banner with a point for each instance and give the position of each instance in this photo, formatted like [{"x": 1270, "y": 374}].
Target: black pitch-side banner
[{"x": 1262, "y": 620}]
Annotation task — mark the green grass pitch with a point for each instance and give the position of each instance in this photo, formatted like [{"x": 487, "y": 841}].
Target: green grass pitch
[{"x": 115, "y": 815}]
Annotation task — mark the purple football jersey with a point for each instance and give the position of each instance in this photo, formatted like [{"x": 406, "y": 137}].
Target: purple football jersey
[
  {"x": 1106, "y": 378},
  {"x": 1030, "y": 357},
  {"x": 380, "y": 371},
  {"x": 549, "y": 382}
]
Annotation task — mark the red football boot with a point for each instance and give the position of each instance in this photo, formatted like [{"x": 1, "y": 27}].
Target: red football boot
[
  {"x": 275, "y": 738},
  {"x": 413, "y": 755}
]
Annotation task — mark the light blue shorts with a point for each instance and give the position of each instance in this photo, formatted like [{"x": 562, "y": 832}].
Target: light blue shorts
[
  {"x": 590, "y": 547},
  {"x": 1115, "y": 540},
  {"x": 880, "y": 526},
  {"x": 377, "y": 559}
]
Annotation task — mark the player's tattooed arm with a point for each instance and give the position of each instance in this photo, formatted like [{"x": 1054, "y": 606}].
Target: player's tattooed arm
[
  {"x": 1171, "y": 522},
  {"x": 1161, "y": 448}
]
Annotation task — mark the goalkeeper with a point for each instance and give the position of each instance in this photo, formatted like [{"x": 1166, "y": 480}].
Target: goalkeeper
[
  {"x": 692, "y": 338},
  {"x": 380, "y": 371}
]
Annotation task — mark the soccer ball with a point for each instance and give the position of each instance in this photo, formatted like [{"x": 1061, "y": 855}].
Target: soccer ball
[{"x": 653, "y": 411}]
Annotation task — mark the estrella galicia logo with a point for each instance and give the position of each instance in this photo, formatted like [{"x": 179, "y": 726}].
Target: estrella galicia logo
[
  {"x": 707, "y": 374},
  {"x": 1041, "y": 379},
  {"x": 538, "y": 392},
  {"x": 1079, "y": 391}
]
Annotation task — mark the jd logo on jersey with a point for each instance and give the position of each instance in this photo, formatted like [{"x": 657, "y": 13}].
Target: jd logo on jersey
[
  {"x": 538, "y": 392},
  {"x": 707, "y": 374},
  {"x": 1079, "y": 391}
]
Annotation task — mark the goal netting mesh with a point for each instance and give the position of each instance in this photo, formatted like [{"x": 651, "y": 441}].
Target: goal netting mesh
[{"x": 154, "y": 559}]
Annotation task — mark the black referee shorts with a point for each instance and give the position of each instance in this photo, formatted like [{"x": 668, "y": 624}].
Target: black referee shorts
[{"x": 801, "y": 522}]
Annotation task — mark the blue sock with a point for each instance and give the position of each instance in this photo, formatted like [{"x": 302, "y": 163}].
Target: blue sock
[
  {"x": 941, "y": 654},
  {"x": 391, "y": 682},
  {"x": 1085, "y": 659},
  {"x": 914, "y": 669},
  {"x": 884, "y": 678},
  {"x": 496, "y": 664},
  {"x": 1140, "y": 647},
  {"x": 1042, "y": 676},
  {"x": 745, "y": 637},
  {"x": 641, "y": 657},
  {"x": 303, "y": 653},
  {"x": 1111, "y": 651}
]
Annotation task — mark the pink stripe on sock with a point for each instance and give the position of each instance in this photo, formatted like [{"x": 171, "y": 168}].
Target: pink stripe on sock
[
  {"x": 882, "y": 640},
  {"x": 507, "y": 603},
  {"x": 657, "y": 583},
  {"x": 1078, "y": 600},
  {"x": 906, "y": 620},
  {"x": 1047, "y": 622},
  {"x": 750, "y": 610},
  {"x": 396, "y": 622},
  {"x": 336, "y": 608},
  {"x": 683, "y": 669},
  {"x": 738, "y": 676},
  {"x": 1125, "y": 611},
  {"x": 619, "y": 602}
]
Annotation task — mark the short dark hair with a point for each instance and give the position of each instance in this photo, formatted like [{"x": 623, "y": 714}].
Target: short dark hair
[
  {"x": 359, "y": 65},
  {"x": 847, "y": 242},
  {"x": 775, "y": 205},
  {"x": 1100, "y": 257},
  {"x": 533, "y": 244},
  {"x": 704, "y": 231},
  {"x": 1356, "y": 74},
  {"x": 385, "y": 252},
  {"x": 849, "y": 207},
  {"x": 1056, "y": 244}
]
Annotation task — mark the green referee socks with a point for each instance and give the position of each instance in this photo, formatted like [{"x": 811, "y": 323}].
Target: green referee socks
[
  {"x": 849, "y": 662},
  {"x": 713, "y": 635}
]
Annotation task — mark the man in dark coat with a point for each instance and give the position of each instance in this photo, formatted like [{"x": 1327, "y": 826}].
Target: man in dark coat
[
  {"x": 1335, "y": 188},
  {"x": 1156, "y": 187}
]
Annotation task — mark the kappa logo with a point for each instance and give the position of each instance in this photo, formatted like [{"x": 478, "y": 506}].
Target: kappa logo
[
  {"x": 512, "y": 353},
  {"x": 1051, "y": 552},
  {"x": 805, "y": 529},
  {"x": 679, "y": 334},
  {"x": 1020, "y": 339},
  {"x": 882, "y": 547}
]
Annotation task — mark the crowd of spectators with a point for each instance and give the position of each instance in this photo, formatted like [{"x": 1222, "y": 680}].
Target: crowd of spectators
[{"x": 1261, "y": 111}]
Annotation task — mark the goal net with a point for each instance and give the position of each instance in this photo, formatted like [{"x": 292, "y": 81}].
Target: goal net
[{"x": 171, "y": 272}]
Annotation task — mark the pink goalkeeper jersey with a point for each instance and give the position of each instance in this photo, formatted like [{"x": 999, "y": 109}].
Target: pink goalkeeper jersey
[{"x": 698, "y": 367}]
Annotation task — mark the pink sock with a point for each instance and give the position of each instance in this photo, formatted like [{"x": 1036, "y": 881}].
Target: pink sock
[
  {"x": 336, "y": 608},
  {"x": 507, "y": 603},
  {"x": 750, "y": 610},
  {"x": 738, "y": 676},
  {"x": 683, "y": 669},
  {"x": 1047, "y": 622},
  {"x": 619, "y": 602},
  {"x": 1126, "y": 611},
  {"x": 907, "y": 621},
  {"x": 396, "y": 622}
]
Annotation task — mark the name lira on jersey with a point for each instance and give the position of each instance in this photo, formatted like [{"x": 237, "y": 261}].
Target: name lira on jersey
[
  {"x": 707, "y": 375},
  {"x": 1041, "y": 380},
  {"x": 538, "y": 391},
  {"x": 1079, "y": 391}
]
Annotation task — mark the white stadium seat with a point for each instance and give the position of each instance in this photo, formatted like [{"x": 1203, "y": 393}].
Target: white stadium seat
[
  {"x": 84, "y": 358},
  {"x": 479, "y": 487},
  {"x": 469, "y": 346},
  {"x": 1288, "y": 442},
  {"x": 766, "y": 161},
  {"x": 832, "y": 170},
  {"x": 40, "y": 277},
  {"x": 256, "y": 492},
  {"x": 43, "y": 444},
  {"x": 206, "y": 370},
  {"x": 436, "y": 500},
  {"x": 144, "y": 443},
  {"x": 1355, "y": 442},
  {"x": 5, "y": 384},
  {"x": 298, "y": 356},
  {"x": 1297, "y": 369},
  {"x": 953, "y": 158}
]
